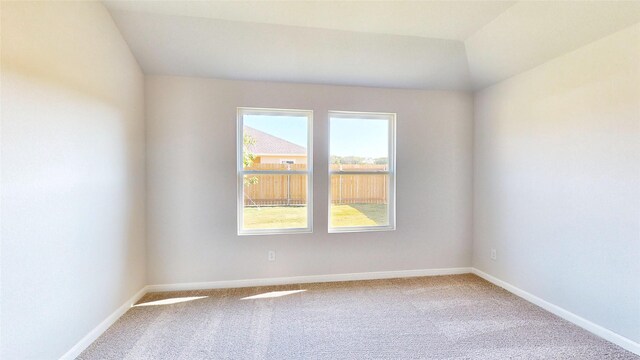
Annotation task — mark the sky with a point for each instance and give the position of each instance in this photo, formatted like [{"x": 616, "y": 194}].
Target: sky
[{"x": 349, "y": 137}]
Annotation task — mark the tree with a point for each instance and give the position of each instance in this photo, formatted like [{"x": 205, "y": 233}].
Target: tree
[
  {"x": 381, "y": 161},
  {"x": 335, "y": 159},
  {"x": 248, "y": 157}
]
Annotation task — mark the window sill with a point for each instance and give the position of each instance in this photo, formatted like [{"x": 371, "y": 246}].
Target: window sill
[
  {"x": 275, "y": 231},
  {"x": 357, "y": 229}
]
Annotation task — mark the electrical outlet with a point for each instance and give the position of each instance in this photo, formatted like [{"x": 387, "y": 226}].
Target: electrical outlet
[
  {"x": 494, "y": 254},
  {"x": 271, "y": 255}
]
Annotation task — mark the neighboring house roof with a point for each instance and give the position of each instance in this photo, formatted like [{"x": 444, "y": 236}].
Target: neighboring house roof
[{"x": 266, "y": 144}]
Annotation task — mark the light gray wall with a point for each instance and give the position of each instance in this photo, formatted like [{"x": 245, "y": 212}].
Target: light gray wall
[
  {"x": 191, "y": 148},
  {"x": 557, "y": 168},
  {"x": 73, "y": 230}
]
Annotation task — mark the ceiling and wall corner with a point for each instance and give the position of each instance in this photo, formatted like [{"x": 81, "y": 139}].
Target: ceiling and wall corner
[
  {"x": 531, "y": 33},
  {"x": 444, "y": 45}
]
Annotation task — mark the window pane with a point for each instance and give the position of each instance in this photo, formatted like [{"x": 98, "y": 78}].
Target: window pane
[
  {"x": 274, "y": 142},
  {"x": 359, "y": 143},
  {"x": 359, "y": 200},
  {"x": 275, "y": 201}
]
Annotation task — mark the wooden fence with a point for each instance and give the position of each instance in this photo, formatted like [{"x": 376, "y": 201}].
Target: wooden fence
[{"x": 282, "y": 190}]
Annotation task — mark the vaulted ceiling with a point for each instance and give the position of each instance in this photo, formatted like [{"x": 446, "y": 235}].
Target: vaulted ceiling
[{"x": 453, "y": 45}]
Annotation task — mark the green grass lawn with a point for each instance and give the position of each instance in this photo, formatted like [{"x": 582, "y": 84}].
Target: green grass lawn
[
  {"x": 358, "y": 215},
  {"x": 269, "y": 217}
]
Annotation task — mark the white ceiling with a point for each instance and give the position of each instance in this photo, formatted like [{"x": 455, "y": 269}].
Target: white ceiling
[
  {"x": 404, "y": 44},
  {"x": 449, "y": 20}
]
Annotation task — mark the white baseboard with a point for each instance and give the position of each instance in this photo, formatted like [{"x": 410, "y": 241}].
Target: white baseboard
[
  {"x": 307, "y": 279},
  {"x": 565, "y": 314},
  {"x": 596, "y": 329},
  {"x": 102, "y": 327}
]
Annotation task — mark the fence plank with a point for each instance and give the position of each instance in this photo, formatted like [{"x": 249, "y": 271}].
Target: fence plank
[{"x": 282, "y": 190}]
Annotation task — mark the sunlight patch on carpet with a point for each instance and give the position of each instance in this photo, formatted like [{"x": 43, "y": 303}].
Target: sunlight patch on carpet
[
  {"x": 272, "y": 294},
  {"x": 170, "y": 301}
]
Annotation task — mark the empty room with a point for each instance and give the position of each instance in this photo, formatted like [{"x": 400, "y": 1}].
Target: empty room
[{"x": 320, "y": 180}]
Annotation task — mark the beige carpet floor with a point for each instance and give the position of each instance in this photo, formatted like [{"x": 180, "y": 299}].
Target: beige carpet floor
[{"x": 442, "y": 317}]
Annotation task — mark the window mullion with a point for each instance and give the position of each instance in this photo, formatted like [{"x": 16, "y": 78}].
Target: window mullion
[
  {"x": 274, "y": 172},
  {"x": 363, "y": 172}
]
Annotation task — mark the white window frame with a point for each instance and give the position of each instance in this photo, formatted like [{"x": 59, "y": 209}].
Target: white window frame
[
  {"x": 241, "y": 172},
  {"x": 391, "y": 172}
]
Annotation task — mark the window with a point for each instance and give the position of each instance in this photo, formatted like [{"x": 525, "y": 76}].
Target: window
[
  {"x": 274, "y": 162},
  {"x": 361, "y": 171}
]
